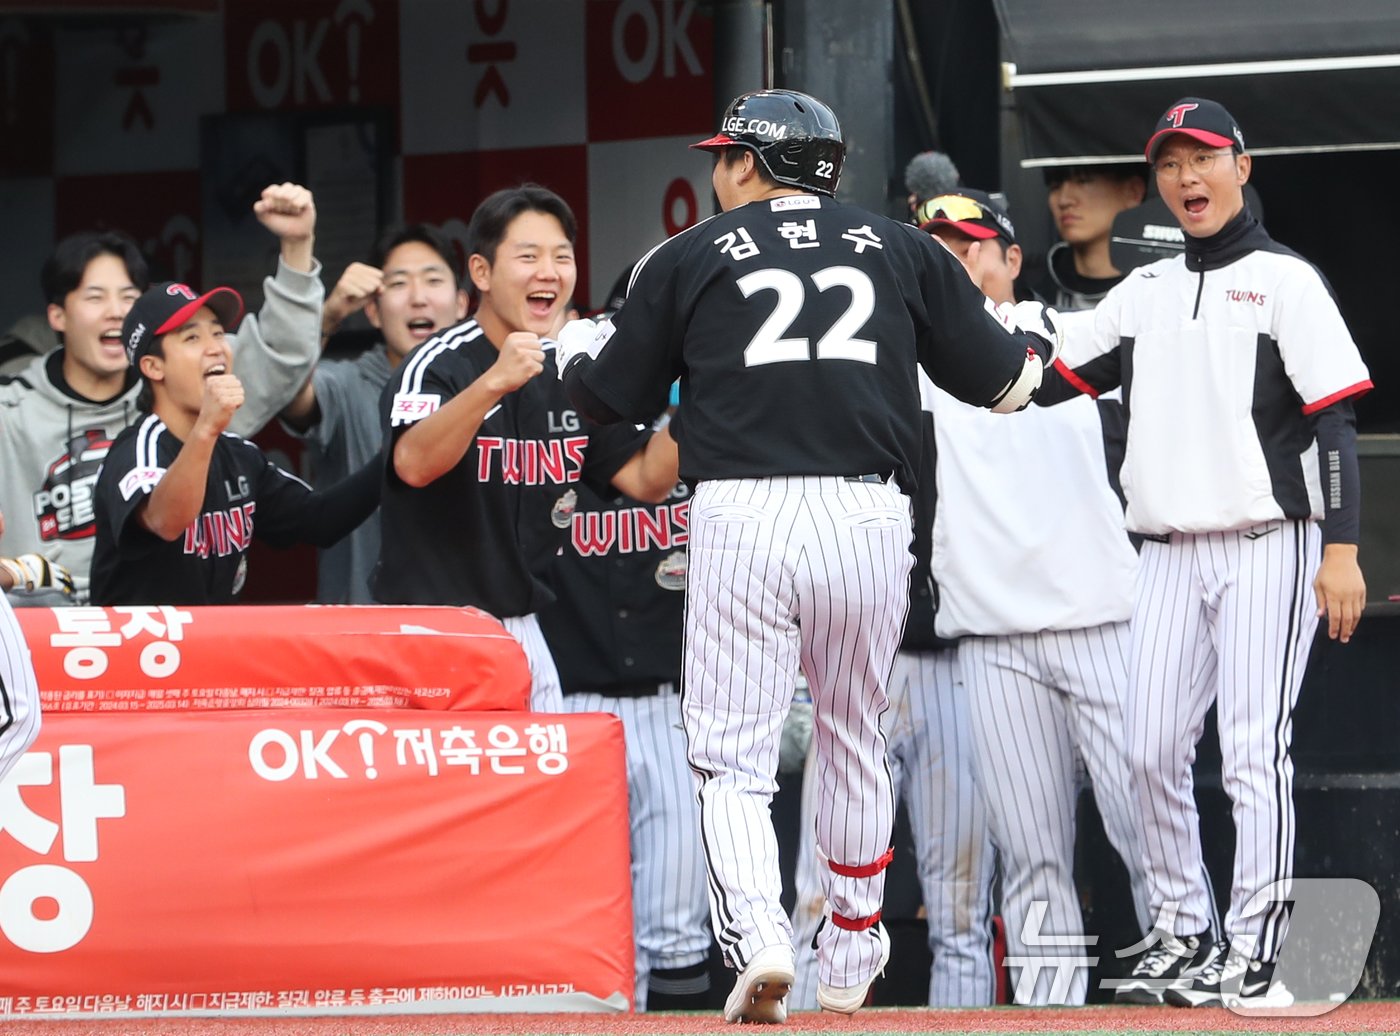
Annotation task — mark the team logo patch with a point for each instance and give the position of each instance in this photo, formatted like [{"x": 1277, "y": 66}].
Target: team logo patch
[
  {"x": 670, "y": 573},
  {"x": 64, "y": 504},
  {"x": 561, "y": 515},
  {"x": 139, "y": 480},
  {"x": 413, "y": 406},
  {"x": 241, "y": 576}
]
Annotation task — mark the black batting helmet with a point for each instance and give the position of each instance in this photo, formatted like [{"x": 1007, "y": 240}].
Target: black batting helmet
[{"x": 796, "y": 137}]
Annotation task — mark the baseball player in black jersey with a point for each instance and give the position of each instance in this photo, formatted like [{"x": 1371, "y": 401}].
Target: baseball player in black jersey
[
  {"x": 794, "y": 323},
  {"x": 615, "y": 632},
  {"x": 179, "y": 498},
  {"x": 484, "y": 454},
  {"x": 1238, "y": 376}
]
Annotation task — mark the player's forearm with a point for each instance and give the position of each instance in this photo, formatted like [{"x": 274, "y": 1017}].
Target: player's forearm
[
  {"x": 435, "y": 445},
  {"x": 176, "y": 501},
  {"x": 302, "y": 412},
  {"x": 1340, "y": 473},
  {"x": 333, "y": 513},
  {"x": 1058, "y": 384},
  {"x": 651, "y": 474},
  {"x": 298, "y": 252}
]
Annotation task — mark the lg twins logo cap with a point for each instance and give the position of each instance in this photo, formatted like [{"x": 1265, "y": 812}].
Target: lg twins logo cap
[
  {"x": 167, "y": 306},
  {"x": 1206, "y": 121}
]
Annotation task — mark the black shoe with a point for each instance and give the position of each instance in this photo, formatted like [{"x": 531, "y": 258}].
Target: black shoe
[
  {"x": 1172, "y": 961},
  {"x": 1232, "y": 980},
  {"x": 1259, "y": 988}
]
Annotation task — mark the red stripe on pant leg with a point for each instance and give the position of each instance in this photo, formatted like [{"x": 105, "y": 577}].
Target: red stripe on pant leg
[
  {"x": 868, "y": 870},
  {"x": 856, "y": 924}
]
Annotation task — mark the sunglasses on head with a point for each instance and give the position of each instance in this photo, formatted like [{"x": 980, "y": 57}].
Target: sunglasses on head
[{"x": 953, "y": 207}]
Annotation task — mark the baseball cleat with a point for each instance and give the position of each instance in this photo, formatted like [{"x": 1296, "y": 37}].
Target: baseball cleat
[
  {"x": 1232, "y": 980},
  {"x": 1173, "y": 961},
  {"x": 851, "y": 999},
  {"x": 760, "y": 992}
]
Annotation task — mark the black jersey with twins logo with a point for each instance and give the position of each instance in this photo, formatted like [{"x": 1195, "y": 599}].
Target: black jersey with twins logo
[
  {"x": 794, "y": 324},
  {"x": 482, "y": 534},
  {"x": 620, "y": 579},
  {"x": 246, "y": 495}
]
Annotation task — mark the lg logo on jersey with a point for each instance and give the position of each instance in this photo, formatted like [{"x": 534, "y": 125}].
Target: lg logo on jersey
[
  {"x": 563, "y": 421},
  {"x": 237, "y": 489}
]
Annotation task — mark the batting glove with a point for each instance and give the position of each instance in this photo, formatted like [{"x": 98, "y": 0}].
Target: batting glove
[
  {"x": 36, "y": 572},
  {"x": 1035, "y": 318},
  {"x": 581, "y": 338}
]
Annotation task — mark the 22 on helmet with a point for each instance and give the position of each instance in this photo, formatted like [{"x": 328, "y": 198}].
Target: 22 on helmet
[{"x": 794, "y": 136}]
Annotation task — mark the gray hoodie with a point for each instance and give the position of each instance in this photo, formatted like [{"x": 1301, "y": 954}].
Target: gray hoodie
[{"x": 53, "y": 441}]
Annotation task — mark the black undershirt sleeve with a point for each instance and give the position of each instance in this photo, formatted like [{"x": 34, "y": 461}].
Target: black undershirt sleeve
[
  {"x": 322, "y": 517},
  {"x": 583, "y": 397},
  {"x": 1340, "y": 472}
]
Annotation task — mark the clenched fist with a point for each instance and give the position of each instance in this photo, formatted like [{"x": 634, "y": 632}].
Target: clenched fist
[
  {"x": 357, "y": 286},
  {"x": 521, "y": 359},
  {"x": 287, "y": 209},
  {"x": 223, "y": 394}
]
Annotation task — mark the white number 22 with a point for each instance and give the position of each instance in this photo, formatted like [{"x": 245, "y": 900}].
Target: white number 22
[{"x": 839, "y": 343}]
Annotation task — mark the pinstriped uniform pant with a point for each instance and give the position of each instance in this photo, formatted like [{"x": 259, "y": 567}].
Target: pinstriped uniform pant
[
  {"x": 1038, "y": 700},
  {"x": 19, "y": 692},
  {"x": 1229, "y": 618},
  {"x": 789, "y": 572},
  {"x": 669, "y": 910},
  {"x": 546, "y": 692},
  {"x": 928, "y": 727}
]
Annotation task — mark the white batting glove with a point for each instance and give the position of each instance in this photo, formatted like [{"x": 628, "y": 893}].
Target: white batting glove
[
  {"x": 1035, "y": 318},
  {"x": 36, "y": 572},
  {"x": 581, "y": 338}
]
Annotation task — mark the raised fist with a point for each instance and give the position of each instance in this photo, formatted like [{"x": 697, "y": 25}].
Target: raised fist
[
  {"x": 223, "y": 394},
  {"x": 288, "y": 210},
  {"x": 357, "y": 286}
]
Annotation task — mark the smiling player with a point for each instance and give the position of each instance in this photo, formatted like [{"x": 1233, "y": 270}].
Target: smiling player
[
  {"x": 179, "y": 497},
  {"x": 484, "y": 452}
]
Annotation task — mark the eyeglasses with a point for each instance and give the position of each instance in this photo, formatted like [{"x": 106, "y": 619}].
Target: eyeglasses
[
  {"x": 952, "y": 207},
  {"x": 1201, "y": 163}
]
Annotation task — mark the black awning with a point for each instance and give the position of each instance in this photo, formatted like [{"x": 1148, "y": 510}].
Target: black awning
[{"x": 1089, "y": 78}]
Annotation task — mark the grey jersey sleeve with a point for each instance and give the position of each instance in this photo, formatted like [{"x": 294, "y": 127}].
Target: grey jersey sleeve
[{"x": 276, "y": 348}]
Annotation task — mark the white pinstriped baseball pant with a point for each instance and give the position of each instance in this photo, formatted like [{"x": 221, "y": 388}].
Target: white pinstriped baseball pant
[
  {"x": 546, "y": 691},
  {"x": 788, "y": 572},
  {"x": 928, "y": 727},
  {"x": 1038, "y": 701},
  {"x": 19, "y": 691},
  {"x": 1228, "y": 618}
]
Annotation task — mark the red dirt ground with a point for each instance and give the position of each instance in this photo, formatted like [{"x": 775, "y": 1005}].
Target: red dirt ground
[{"x": 1360, "y": 1016}]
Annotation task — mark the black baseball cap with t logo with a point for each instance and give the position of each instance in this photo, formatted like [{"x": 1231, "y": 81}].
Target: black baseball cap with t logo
[
  {"x": 168, "y": 306},
  {"x": 1203, "y": 120}
]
